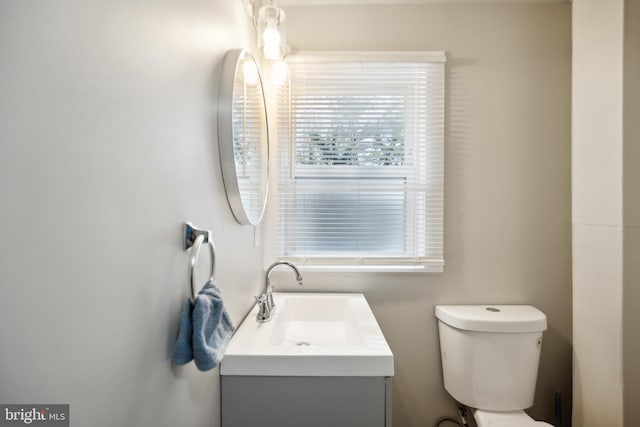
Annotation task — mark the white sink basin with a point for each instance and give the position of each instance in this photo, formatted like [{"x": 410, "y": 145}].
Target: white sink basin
[
  {"x": 311, "y": 334},
  {"x": 319, "y": 321}
]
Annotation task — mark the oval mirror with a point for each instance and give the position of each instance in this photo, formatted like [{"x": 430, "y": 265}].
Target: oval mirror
[{"x": 243, "y": 139}]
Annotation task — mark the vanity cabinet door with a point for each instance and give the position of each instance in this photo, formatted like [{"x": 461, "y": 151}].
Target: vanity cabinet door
[{"x": 306, "y": 401}]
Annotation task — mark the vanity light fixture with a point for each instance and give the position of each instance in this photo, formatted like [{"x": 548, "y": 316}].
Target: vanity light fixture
[{"x": 268, "y": 19}]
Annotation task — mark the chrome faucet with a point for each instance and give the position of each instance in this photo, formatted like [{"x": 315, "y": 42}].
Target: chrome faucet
[{"x": 265, "y": 301}]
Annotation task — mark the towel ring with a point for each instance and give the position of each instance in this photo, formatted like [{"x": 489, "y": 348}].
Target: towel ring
[{"x": 194, "y": 238}]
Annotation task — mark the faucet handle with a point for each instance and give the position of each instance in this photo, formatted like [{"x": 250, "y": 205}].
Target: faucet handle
[
  {"x": 264, "y": 310},
  {"x": 262, "y": 299}
]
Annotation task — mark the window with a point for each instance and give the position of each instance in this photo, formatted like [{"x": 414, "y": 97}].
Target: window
[{"x": 361, "y": 144}]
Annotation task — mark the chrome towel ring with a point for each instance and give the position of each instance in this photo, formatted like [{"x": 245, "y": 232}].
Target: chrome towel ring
[{"x": 194, "y": 238}]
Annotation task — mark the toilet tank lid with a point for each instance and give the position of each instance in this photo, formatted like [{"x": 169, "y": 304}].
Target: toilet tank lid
[{"x": 493, "y": 318}]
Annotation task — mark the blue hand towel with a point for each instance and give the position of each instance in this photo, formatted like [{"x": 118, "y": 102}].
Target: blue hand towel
[
  {"x": 183, "y": 352},
  {"x": 205, "y": 330}
]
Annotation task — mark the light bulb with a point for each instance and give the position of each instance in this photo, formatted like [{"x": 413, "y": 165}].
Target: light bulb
[
  {"x": 271, "y": 36},
  {"x": 271, "y": 43}
]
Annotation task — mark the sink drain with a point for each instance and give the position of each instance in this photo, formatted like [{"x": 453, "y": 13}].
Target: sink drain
[{"x": 303, "y": 343}]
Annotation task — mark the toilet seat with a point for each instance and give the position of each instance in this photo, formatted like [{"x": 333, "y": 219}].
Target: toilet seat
[{"x": 506, "y": 419}]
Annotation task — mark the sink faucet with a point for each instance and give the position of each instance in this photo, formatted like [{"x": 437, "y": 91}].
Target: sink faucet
[{"x": 265, "y": 301}]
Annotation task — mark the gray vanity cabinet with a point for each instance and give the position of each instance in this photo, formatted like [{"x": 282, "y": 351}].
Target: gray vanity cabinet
[{"x": 275, "y": 401}]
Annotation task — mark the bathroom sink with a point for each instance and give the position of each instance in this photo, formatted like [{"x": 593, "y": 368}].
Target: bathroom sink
[
  {"x": 316, "y": 321},
  {"x": 311, "y": 334}
]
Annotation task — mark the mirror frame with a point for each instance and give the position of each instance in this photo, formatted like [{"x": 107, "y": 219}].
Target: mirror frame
[{"x": 232, "y": 63}]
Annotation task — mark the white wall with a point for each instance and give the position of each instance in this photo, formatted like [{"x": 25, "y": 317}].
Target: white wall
[
  {"x": 597, "y": 159},
  {"x": 606, "y": 154},
  {"x": 507, "y": 212},
  {"x": 107, "y": 145}
]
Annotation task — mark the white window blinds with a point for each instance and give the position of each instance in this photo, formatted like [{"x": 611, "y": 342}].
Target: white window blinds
[{"x": 361, "y": 161}]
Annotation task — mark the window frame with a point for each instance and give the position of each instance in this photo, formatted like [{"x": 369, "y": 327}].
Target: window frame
[{"x": 435, "y": 189}]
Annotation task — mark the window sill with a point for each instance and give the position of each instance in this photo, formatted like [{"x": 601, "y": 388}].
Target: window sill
[{"x": 372, "y": 268}]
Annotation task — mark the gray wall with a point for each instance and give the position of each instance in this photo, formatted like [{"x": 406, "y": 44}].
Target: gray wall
[
  {"x": 507, "y": 212},
  {"x": 107, "y": 144},
  {"x": 631, "y": 212}
]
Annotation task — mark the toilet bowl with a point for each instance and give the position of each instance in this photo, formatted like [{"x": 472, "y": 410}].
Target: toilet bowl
[{"x": 490, "y": 356}]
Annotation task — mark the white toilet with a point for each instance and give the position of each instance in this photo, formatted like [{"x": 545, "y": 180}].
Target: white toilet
[{"x": 490, "y": 357}]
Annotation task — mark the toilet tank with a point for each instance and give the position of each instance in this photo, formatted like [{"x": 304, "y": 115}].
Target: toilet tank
[{"x": 490, "y": 354}]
